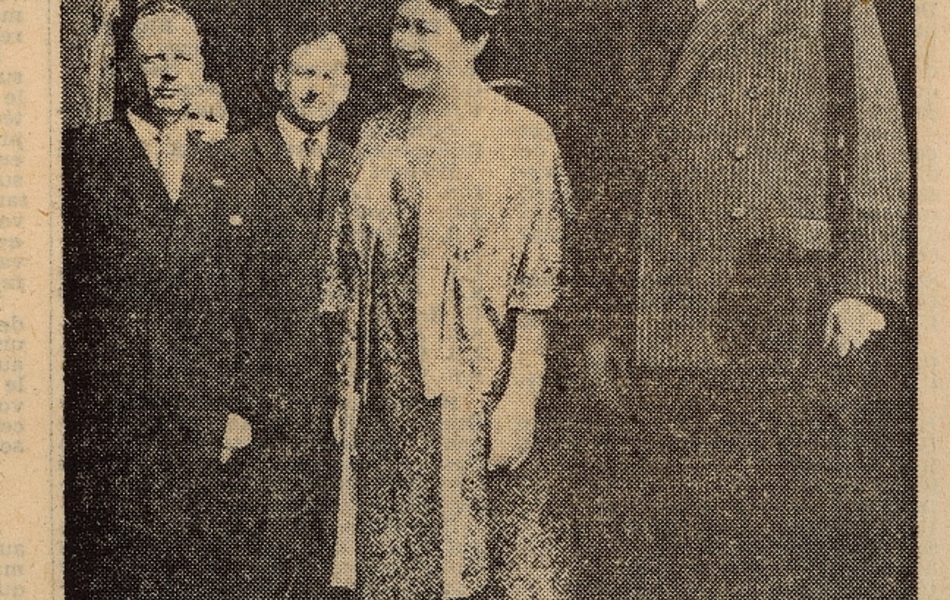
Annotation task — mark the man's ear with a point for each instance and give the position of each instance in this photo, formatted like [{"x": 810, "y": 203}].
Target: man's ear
[
  {"x": 345, "y": 87},
  {"x": 280, "y": 78}
]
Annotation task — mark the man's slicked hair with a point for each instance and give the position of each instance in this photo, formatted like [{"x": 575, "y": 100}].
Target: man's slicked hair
[
  {"x": 303, "y": 35},
  {"x": 163, "y": 7}
]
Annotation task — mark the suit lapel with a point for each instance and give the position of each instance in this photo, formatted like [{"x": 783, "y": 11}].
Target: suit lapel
[
  {"x": 335, "y": 170},
  {"x": 713, "y": 26},
  {"x": 276, "y": 165},
  {"x": 147, "y": 190},
  {"x": 189, "y": 200},
  {"x": 193, "y": 202}
]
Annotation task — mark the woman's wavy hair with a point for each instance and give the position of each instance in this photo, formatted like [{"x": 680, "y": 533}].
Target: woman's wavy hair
[{"x": 472, "y": 21}]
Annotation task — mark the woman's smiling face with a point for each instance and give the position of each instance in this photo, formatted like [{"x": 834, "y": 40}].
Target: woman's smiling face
[{"x": 429, "y": 47}]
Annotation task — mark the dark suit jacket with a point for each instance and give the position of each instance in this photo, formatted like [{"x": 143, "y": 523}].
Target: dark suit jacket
[
  {"x": 147, "y": 369},
  {"x": 776, "y": 177},
  {"x": 144, "y": 341},
  {"x": 282, "y": 246},
  {"x": 284, "y": 251}
]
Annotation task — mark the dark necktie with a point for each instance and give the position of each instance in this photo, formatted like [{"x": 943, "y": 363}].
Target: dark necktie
[
  {"x": 312, "y": 161},
  {"x": 673, "y": 22},
  {"x": 312, "y": 177},
  {"x": 685, "y": 19}
]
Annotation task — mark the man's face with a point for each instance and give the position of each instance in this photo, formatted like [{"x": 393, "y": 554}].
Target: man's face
[
  {"x": 315, "y": 82},
  {"x": 207, "y": 114},
  {"x": 168, "y": 52}
]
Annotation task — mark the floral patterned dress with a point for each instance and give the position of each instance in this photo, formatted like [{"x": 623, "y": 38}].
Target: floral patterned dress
[{"x": 458, "y": 230}]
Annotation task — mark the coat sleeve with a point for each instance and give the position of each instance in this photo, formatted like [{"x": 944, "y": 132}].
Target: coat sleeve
[{"x": 874, "y": 251}]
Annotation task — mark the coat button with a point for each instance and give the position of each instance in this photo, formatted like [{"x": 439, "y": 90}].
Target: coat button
[
  {"x": 742, "y": 149},
  {"x": 739, "y": 212}
]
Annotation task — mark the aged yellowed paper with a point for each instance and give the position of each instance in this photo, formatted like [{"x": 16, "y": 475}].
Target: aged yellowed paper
[{"x": 31, "y": 321}]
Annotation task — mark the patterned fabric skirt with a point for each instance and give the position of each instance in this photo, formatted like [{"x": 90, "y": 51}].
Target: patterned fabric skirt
[{"x": 400, "y": 515}]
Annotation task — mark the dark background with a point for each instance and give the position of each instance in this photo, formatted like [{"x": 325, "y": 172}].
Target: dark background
[{"x": 673, "y": 491}]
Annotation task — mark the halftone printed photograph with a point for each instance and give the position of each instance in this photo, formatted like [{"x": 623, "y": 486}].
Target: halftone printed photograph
[{"x": 489, "y": 299}]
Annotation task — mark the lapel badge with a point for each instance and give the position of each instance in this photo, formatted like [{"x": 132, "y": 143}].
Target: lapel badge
[{"x": 236, "y": 220}]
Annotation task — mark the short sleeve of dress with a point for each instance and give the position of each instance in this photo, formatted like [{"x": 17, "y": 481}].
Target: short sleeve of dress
[{"x": 547, "y": 192}]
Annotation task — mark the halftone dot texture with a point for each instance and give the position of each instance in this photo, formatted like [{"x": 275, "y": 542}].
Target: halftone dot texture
[{"x": 733, "y": 169}]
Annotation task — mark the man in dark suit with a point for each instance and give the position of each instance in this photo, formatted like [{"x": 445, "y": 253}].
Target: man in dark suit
[
  {"x": 147, "y": 354},
  {"x": 773, "y": 187},
  {"x": 767, "y": 217},
  {"x": 282, "y": 186}
]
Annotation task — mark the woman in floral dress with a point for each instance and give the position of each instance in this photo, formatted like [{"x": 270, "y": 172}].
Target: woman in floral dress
[{"x": 457, "y": 211}]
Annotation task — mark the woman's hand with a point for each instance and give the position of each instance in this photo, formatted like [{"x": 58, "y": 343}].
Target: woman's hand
[
  {"x": 512, "y": 421},
  {"x": 237, "y": 435},
  {"x": 512, "y": 432},
  {"x": 850, "y": 323}
]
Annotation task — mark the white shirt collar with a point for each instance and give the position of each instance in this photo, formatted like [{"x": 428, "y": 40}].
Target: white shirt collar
[
  {"x": 148, "y": 134},
  {"x": 172, "y": 140},
  {"x": 152, "y": 137},
  {"x": 294, "y": 138}
]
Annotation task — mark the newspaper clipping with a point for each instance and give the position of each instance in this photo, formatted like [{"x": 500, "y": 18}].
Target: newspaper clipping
[{"x": 484, "y": 299}]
